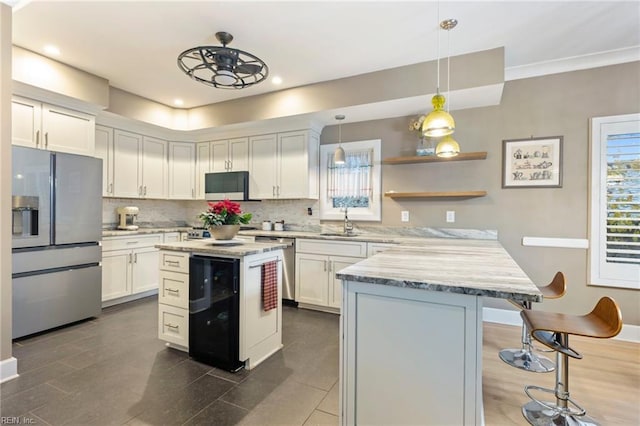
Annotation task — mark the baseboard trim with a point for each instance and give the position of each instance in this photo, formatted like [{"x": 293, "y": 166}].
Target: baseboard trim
[
  {"x": 629, "y": 333},
  {"x": 8, "y": 369}
]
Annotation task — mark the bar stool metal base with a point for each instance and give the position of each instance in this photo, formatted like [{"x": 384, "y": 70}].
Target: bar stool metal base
[
  {"x": 540, "y": 415},
  {"x": 527, "y": 360}
]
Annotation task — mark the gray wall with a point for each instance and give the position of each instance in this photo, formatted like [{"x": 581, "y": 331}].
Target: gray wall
[{"x": 554, "y": 105}]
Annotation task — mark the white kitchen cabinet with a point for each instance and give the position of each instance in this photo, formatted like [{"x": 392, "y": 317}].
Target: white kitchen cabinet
[
  {"x": 203, "y": 154},
  {"x": 139, "y": 166},
  {"x": 40, "y": 125},
  {"x": 230, "y": 155},
  {"x": 284, "y": 165},
  {"x": 182, "y": 157},
  {"x": 129, "y": 267},
  {"x": 317, "y": 262},
  {"x": 104, "y": 150}
]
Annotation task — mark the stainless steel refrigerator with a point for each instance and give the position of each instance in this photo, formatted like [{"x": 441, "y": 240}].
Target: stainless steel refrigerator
[{"x": 56, "y": 230}]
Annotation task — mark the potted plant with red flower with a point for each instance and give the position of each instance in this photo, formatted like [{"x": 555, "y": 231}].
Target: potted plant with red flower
[{"x": 223, "y": 219}]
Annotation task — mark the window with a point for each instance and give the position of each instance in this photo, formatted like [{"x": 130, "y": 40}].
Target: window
[
  {"x": 615, "y": 201},
  {"x": 355, "y": 184}
]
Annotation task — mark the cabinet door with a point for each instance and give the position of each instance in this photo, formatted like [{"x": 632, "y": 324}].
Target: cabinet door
[
  {"x": 335, "y": 287},
  {"x": 239, "y": 154},
  {"x": 219, "y": 156},
  {"x": 116, "y": 274},
  {"x": 262, "y": 167},
  {"x": 127, "y": 164},
  {"x": 68, "y": 131},
  {"x": 203, "y": 150},
  {"x": 104, "y": 150},
  {"x": 145, "y": 270},
  {"x": 182, "y": 170},
  {"x": 312, "y": 279},
  {"x": 26, "y": 121},
  {"x": 154, "y": 168},
  {"x": 293, "y": 167}
]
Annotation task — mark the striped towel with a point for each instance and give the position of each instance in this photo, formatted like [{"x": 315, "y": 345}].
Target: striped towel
[{"x": 270, "y": 285}]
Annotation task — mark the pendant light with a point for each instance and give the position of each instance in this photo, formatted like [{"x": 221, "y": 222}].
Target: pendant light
[
  {"x": 439, "y": 122},
  {"x": 338, "y": 154},
  {"x": 448, "y": 147}
]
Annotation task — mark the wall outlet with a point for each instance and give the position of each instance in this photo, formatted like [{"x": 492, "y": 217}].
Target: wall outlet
[
  {"x": 451, "y": 216},
  {"x": 404, "y": 216}
]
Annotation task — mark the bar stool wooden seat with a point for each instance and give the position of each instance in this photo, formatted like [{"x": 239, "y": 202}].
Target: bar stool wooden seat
[
  {"x": 524, "y": 357},
  {"x": 553, "y": 330}
]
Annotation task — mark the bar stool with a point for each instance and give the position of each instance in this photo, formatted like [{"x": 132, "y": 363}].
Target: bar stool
[
  {"x": 553, "y": 330},
  {"x": 524, "y": 357}
]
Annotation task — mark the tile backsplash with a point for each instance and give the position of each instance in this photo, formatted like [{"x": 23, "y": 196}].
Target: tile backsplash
[{"x": 293, "y": 212}]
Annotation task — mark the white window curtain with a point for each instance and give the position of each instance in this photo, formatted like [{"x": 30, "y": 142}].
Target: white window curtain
[
  {"x": 355, "y": 184},
  {"x": 615, "y": 201},
  {"x": 352, "y": 179}
]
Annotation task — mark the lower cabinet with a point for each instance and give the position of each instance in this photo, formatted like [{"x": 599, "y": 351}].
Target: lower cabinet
[
  {"x": 317, "y": 262},
  {"x": 173, "y": 298},
  {"x": 129, "y": 267}
]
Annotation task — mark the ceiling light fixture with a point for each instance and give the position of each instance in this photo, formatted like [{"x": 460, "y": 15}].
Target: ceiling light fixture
[
  {"x": 276, "y": 80},
  {"x": 223, "y": 67},
  {"x": 448, "y": 147},
  {"x": 52, "y": 50},
  {"x": 439, "y": 122},
  {"x": 338, "y": 154},
  {"x": 178, "y": 102}
]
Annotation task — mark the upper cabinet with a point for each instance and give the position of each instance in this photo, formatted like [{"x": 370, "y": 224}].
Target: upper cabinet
[
  {"x": 230, "y": 155},
  {"x": 182, "y": 170},
  {"x": 104, "y": 150},
  {"x": 284, "y": 165},
  {"x": 154, "y": 168},
  {"x": 40, "y": 125}
]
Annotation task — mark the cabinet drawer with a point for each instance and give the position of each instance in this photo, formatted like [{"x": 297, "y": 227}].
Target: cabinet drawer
[
  {"x": 333, "y": 248},
  {"x": 375, "y": 248},
  {"x": 173, "y": 325},
  {"x": 133, "y": 242},
  {"x": 174, "y": 289},
  {"x": 175, "y": 261}
]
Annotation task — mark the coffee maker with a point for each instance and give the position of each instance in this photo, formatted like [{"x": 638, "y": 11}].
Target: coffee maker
[{"x": 127, "y": 218}]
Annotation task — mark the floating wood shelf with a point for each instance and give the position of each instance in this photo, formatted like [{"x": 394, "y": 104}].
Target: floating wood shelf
[
  {"x": 463, "y": 156},
  {"x": 447, "y": 194}
]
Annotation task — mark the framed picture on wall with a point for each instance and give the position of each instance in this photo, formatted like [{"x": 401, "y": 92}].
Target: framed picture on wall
[{"x": 532, "y": 163}]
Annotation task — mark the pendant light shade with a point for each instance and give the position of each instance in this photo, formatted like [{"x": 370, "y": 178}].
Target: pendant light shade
[
  {"x": 438, "y": 122},
  {"x": 338, "y": 154},
  {"x": 447, "y": 147}
]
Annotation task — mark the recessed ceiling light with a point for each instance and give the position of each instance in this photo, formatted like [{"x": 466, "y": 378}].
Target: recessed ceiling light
[
  {"x": 276, "y": 80},
  {"x": 52, "y": 50},
  {"x": 178, "y": 102}
]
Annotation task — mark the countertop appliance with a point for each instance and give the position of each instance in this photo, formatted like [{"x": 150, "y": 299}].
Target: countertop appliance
[
  {"x": 56, "y": 229},
  {"x": 127, "y": 217},
  {"x": 288, "y": 268},
  {"x": 214, "y": 311},
  {"x": 229, "y": 185}
]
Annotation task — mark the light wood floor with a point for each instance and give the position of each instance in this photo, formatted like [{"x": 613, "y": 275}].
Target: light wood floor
[{"x": 606, "y": 382}]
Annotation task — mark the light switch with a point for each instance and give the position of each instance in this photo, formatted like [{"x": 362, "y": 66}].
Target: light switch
[
  {"x": 404, "y": 216},
  {"x": 451, "y": 216}
]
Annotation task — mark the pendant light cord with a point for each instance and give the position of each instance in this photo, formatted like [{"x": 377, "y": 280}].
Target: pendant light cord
[
  {"x": 438, "y": 51},
  {"x": 448, "y": 68}
]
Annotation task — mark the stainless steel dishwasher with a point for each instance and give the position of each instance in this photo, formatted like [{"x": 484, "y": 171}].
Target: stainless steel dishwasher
[{"x": 288, "y": 268}]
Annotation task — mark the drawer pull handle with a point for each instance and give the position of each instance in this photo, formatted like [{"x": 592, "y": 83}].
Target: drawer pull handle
[
  {"x": 171, "y": 290},
  {"x": 174, "y": 327},
  {"x": 133, "y": 242},
  {"x": 172, "y": 262}
]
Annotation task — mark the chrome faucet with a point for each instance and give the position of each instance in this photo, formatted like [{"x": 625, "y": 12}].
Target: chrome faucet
[{"x": 348, "y": 226}]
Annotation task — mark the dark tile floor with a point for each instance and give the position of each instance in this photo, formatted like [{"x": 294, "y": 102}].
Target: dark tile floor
[{"x": 114, "y": 370}]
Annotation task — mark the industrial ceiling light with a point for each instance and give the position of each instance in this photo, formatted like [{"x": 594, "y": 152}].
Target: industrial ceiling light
[
  {"x": 223, "y": 67},
  {"x": 439, "y": 122},
  {"x": 338, "y": 154},
  {"x": 448, "y": 147}
]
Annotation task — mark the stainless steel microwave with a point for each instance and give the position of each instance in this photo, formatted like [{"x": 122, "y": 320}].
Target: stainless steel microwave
[{"x": 229, "y": 185}]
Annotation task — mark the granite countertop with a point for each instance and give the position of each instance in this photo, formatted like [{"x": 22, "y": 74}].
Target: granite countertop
[
  {"x": 363, "y": 237},
  {"x": 238, "y": 249},
  {"x": 121, "y": 232},
  {"x": 475, "y": 267}
]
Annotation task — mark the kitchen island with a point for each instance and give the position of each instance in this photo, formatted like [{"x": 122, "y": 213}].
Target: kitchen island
[
  {"x": 412, "y": 330},
  {"x": 259, "y": 331}
]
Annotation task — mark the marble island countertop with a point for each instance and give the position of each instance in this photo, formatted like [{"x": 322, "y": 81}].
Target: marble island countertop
[
  {"x": 238, "y": 248},
  {"x": 144, "y": 230},
  {"x": 474, "y": 267}
]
